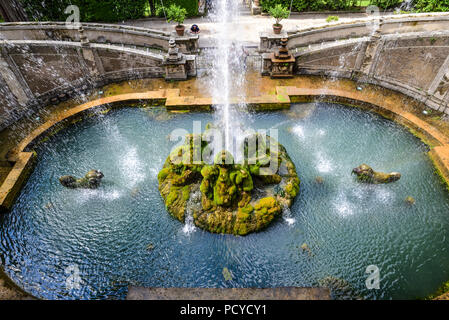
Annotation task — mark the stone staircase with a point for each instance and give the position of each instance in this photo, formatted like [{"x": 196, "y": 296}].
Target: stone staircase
[{"x": 244, "y": 10}]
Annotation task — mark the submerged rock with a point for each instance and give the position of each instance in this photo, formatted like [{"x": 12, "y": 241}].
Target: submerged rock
[
  {"x": 319, "y": 180},
  {"x": 410, "y": 200},
  {"x": 305, "y": 248},
  {"x": 366, "y": 174},
  {"x": 227, "y": 275},
  {"x": 91, "y": 180},
  {"x": 235, "y": 198}
]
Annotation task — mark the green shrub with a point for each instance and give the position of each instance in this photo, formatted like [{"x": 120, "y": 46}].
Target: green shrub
[
  {"x": 101, "y": 11},
  {"x": 331, "y": 18},
  {"x": 279, "y": 12},
  {"x": 386, "y": 4},
  {"x": 190, "y": 5},
  {"x": 432, "y": 5},
  {"x": 176, "y": 13},
  {"x": 310, "y": 5},
  {"x": 90, "y": 10}
]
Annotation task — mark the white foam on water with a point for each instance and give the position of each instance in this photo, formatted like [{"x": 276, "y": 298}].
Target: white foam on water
[
  {"x": 131, "y": 167},
  {"x": 287, "y": 216},
  {"x": 90, "y": 194},
  {"x": 299, "y": 131},
  {"x": 323, "y": 164},
  {"x": 343, "y": 207},
  {"x": 189, "y": 226},
  {"x": 384, "y": 195}
]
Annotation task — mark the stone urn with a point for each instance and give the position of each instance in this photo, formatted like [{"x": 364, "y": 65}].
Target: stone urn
[
  {"x": 277, "y": 28},
  {"x": 180, "y": 30}
]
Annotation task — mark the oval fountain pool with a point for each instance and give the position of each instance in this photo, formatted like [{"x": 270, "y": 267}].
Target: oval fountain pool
[{"x": 80, "y": 244}]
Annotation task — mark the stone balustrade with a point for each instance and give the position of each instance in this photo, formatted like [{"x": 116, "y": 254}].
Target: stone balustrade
[{"x": 99, "y": 33}]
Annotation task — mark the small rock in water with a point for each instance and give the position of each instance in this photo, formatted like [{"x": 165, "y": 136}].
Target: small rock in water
[
  {"x": 319, "y": 180},
  {"x": 48, "y": 206},
  {"x": 135, "y": 192},
  {"x": 150, "y": 247},
  {"x": 410, "y": 200},
  {"x": 227, "y": 275},
  {"x": 305, "y": 248}
]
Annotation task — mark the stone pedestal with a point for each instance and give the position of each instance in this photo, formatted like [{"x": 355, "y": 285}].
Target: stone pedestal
[
  {"x": 177, "y": 65},
  {"x": 280, "y": 63},
  {"x": 270, "y": 41}
]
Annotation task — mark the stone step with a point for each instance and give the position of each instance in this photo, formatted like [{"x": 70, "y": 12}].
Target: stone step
[{"x": 289, "y": 293}]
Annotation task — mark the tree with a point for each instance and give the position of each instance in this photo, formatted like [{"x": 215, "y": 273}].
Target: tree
[
  {"x": 12, "y": 10},
  {"x": 152, "y": 5}
]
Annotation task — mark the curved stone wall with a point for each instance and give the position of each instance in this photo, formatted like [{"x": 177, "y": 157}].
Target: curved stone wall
[
  {"x": 45, "y": 63},
  {"x": 415, "y": 64},
  {"x": 37, "y": 73}
]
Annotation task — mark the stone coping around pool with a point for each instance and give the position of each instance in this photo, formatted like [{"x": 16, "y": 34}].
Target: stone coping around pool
[
  {"x": 198, "y": 294},
  {"x": 282, "y": 98}
]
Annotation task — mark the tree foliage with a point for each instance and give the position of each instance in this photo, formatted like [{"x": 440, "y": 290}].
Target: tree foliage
[
  {"x": 321, "y": 5},
  {"x": 432, "y": 5},
  {"x": 279, "y": 12},
  {"x": 176, "y": 13},
  {"x": 101, "y": 11}
]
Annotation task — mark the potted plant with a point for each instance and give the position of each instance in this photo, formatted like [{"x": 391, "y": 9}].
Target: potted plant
[
  {"x": 278, "y": 12},
  {"x": 177, "y": 14}
]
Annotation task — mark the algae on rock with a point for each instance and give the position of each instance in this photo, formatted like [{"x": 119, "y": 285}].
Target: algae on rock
[{"x": 236, "y": 198}]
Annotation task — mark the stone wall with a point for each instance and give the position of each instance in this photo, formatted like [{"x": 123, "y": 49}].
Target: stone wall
[
  {"x": 416, "y": 64},
  {"x": 392, "y": 25},
  {"x": 34, "y": 74},
  {"x": 45, "y": 63}
]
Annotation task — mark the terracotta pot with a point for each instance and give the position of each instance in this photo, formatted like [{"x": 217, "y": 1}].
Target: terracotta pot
[
  {"x": 180, "y": 30},
  {"x": 277, "y": 28}
]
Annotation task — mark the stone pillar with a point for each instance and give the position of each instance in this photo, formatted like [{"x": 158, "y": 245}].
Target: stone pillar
[
  {"x": 175, "y": 63},
  {"x": 90, "y": 58},
  {"x": 281, "y": 62},
  {"x": 14, "y": 78},
  {"x": 365, "y": 65},
  {"x": 269, "y": 41}
]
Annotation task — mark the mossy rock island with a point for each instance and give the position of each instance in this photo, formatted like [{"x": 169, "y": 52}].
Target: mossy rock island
[{"x": 227, "y": 197}]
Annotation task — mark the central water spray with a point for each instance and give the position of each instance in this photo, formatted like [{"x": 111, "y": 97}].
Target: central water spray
[{"x": 228, "y": 72}]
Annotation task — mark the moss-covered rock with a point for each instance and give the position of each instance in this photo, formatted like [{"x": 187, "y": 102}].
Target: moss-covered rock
[
  {"x": 91, "y": 180},
  {"x": 366, "y": 174},
  {"x": 229, "y": 202}
]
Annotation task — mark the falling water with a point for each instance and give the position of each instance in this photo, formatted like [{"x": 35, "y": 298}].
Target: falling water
[{"x": 228, "y": 72}]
